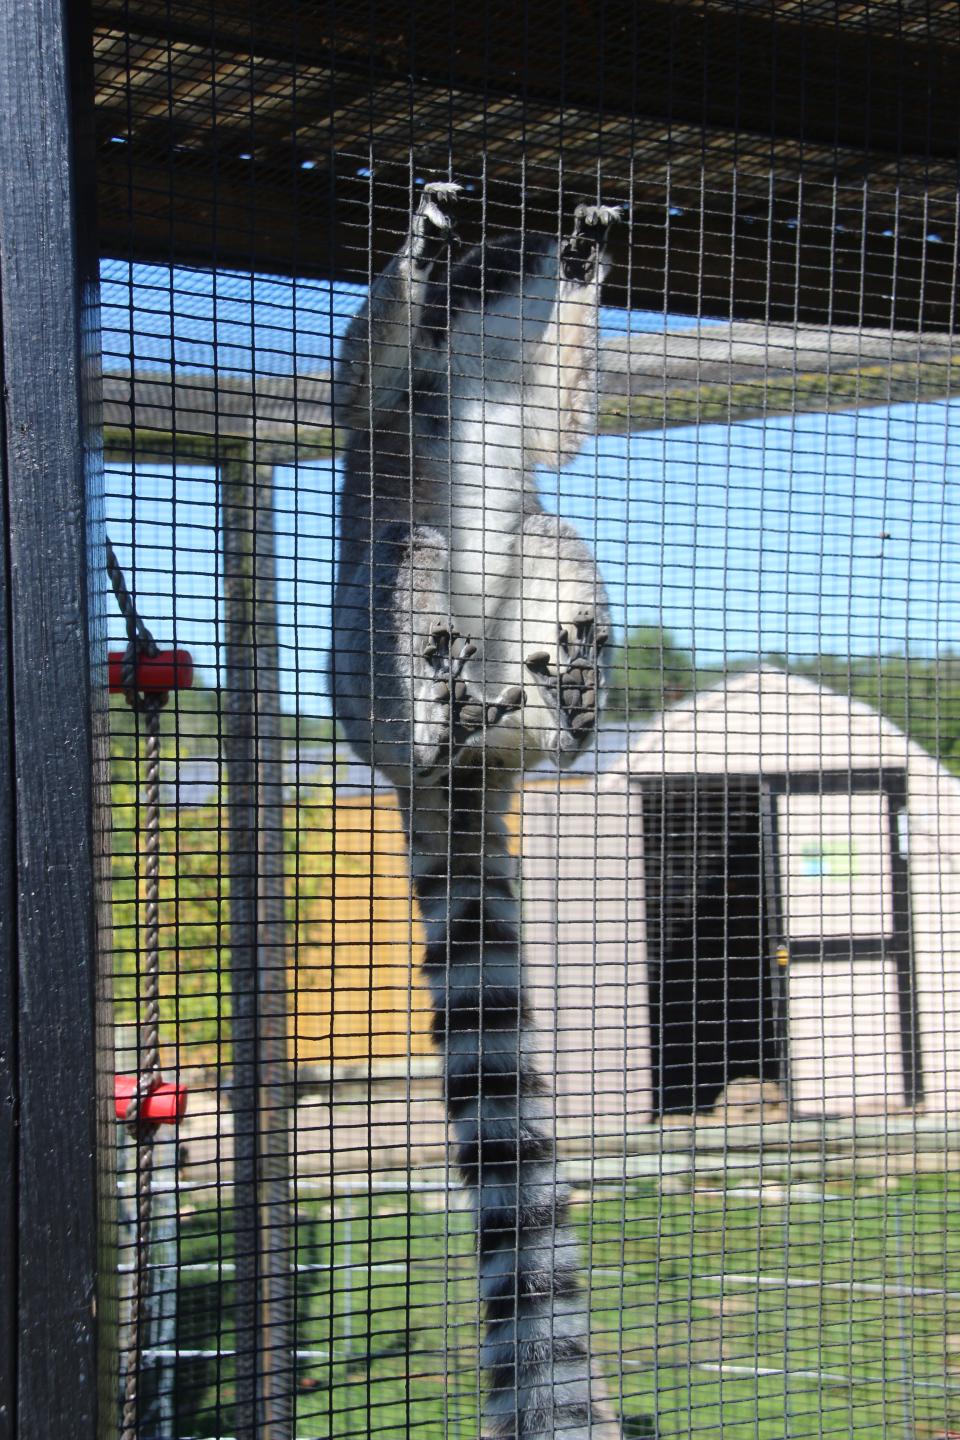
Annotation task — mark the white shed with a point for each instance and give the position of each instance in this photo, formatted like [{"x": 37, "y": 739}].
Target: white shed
[{"x": 766, "y": 884}]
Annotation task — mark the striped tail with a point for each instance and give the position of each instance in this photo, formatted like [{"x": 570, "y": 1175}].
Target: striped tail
[{"x": 535, "y": 1352}]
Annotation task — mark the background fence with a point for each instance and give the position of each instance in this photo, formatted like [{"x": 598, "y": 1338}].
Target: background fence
[{"x": 741, "y": 923}]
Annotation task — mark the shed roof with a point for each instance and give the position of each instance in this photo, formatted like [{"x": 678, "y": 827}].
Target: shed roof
[
  {"x": 765, "y": 721},
  {"x": 783, "y": 162}
]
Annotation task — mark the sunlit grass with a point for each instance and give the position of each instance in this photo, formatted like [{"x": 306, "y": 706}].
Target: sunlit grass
[{"x": 395, "y": 1347}]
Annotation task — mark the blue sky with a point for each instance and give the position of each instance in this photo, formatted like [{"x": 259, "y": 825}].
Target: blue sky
[{"x": 836, "y": 533}]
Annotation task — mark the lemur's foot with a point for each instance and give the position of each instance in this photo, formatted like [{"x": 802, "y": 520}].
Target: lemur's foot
[
  {"x": 463, "y": 713},
  {"x": 571, "y": 684},
  {"x": 581, "y": 252},
  {"x": 433, "y": 221}
]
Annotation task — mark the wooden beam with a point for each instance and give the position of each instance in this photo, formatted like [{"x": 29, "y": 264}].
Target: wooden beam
[
  {"x": 216, "y": 416},
  {"x": 649, "y": 380},
  {"x": 810, "y": 393},
  {"x": 56, "y": 1144}
]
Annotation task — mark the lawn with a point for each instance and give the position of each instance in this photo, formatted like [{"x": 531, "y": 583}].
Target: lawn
[{"x": 393, "y": 1348}]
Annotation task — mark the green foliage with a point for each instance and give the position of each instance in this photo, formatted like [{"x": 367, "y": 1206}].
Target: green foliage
[
  {"x": 194, "y": 916},
  {"x": 195, "y": 720},
  {"x": 648, "y": 672},
  {"x": 920, "y": 695}
]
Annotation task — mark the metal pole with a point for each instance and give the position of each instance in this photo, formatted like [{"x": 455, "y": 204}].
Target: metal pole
[{"x": 260, "y": 1091}]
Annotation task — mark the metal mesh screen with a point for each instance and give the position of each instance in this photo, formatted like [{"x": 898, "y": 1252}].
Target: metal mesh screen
[{"x": 738, "y": 903}]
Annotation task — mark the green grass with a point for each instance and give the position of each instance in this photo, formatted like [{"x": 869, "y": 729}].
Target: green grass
[{"x": 403, "y": 1344}]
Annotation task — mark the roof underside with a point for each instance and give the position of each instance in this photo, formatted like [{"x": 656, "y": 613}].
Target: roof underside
[{"x": 795, "y": 162}]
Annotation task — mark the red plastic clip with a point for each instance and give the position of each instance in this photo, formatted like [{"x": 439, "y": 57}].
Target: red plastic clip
[
  {"x": 163, "y": 1106},
  {"x": 167, "y": 670}
]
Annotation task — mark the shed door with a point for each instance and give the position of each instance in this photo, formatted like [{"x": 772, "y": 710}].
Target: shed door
[{"x": 841, "y": 939}]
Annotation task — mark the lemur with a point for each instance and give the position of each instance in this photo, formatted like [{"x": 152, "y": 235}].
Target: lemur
[{"x": 469, "y": 624}]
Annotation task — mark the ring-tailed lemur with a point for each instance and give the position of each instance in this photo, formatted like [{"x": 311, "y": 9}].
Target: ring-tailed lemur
[{"x": 468, "y": 626}]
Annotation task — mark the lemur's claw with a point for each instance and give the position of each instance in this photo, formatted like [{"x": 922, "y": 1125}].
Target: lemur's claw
[
  {"x": 442, "y": 644},
  {"x": 447, "y": 652},
  {"x": 511, "y": 699},
  {"x": 570, "y": 685},
  {"x": 595, "y": 217},
  {"x": 580, "y": 252},
  {"x": 443, "y": 652},
  {"x": 443, "y": 191},
  {"x": 437, "y": 202},
  {"x": 476, "y": 713},
  {"x": 446, "y": 693}
]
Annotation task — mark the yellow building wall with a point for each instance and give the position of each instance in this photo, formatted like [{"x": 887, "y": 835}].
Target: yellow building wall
[{"x": 356, "y": 991}]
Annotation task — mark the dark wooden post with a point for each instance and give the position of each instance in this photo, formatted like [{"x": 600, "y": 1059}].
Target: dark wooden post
[{"x": 54, "y": 1058}]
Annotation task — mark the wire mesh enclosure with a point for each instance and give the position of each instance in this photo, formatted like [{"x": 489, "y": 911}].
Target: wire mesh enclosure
[{"x": 533, "y": 910}]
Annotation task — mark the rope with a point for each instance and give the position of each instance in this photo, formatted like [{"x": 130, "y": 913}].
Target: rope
[{"x": 141, "y": 642}]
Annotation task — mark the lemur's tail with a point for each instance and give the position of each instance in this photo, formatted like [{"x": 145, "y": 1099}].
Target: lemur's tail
[{"x": 535, "y": 1352}]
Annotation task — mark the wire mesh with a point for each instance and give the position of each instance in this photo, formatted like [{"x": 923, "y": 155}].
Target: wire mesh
[{"x": 738, "y": 902}]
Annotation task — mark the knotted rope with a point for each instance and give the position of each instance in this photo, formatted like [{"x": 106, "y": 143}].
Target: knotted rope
[{"x": 141, "y": 643}]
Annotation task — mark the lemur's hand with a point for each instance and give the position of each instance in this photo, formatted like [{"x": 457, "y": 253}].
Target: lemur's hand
[
  {"x": 582, "y": 251},
  {"x": 570, "y": 686},
  {"x": 457, "y": 713},
  {"x": 437, "y": 209}
]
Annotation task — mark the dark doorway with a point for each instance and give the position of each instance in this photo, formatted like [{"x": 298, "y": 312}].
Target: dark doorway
[{"x": 711, "y": 995}]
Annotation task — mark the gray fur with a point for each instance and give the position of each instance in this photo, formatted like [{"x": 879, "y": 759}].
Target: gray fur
[{"x": 468, "y": 626}]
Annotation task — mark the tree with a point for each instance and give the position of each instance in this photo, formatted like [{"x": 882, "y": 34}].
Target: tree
[
  {"x": 920, "y": 695},
  {"x": 647, "y": 672}
]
